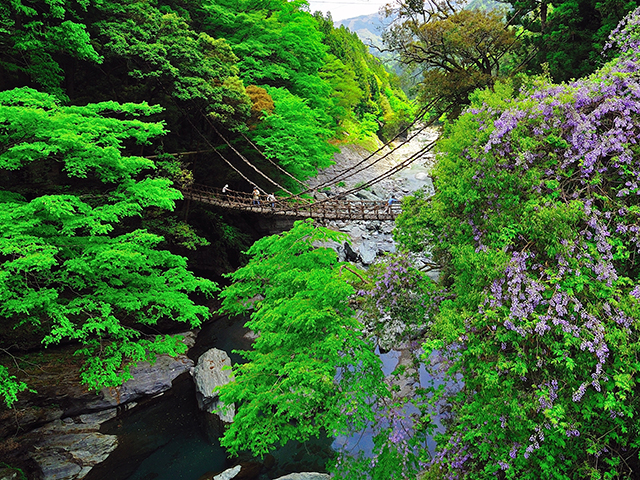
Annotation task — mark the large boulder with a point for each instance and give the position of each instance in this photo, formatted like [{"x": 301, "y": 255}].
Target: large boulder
[
  {"x": 209, "y": 374},
  {"x": 148, "y": 379},
  {"x": 368, "y": 252},
  {"x": 67, "y": 449},
  {"x": 242, "y": 471},
  {"x": 366, "y": 195}
]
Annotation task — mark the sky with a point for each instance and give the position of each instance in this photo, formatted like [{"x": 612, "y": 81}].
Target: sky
[{"x": 341, "y": 9}]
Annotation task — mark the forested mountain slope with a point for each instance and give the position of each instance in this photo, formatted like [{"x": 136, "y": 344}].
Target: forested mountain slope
[{"x": 95, "y": 93}]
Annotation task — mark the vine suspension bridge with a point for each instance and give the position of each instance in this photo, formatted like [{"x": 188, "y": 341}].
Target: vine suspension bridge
[
  {"x": 330, "y": 210},
  {"x": 335, "y": 207}
]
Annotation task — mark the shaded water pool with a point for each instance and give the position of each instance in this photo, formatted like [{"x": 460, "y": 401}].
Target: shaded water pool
[
  {"x": 166, "y": 438},
  {"x": 162, "y": 439}
]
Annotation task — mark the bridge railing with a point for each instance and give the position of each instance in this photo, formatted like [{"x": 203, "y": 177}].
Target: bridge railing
[
  {"x": 330, "y": 208},
  {"x": 235, "y": 198}
]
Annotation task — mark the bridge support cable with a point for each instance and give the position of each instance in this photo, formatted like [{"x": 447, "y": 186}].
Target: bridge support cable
[
  {"x": 417, "y": 155},
  {"x": 212, "y": 147},
  {"x": 233, "y": 167},
  {"x": 178, "y": 154},
  {"x": 395, "y": 169},
  {"x": 273, "y": 182},
  {"x": 222, "y": 157},
  {"x": 272, "y": 162},
  {"x": 379, "y": 178},
  {"x": 350, "y": 172}
]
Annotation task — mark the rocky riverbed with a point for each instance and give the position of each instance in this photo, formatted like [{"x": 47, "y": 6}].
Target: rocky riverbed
[{"x": 371, "y": 239}]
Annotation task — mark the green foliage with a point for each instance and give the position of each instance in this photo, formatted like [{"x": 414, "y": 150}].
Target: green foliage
[
  {"x": 174, "y": 231},
  {"x": 310, "y": 372},
  {"x": 73, "y": 266},
  {"x": 346, "y": 92},
  {"x": 379, "y": 100},
  {"x": 294, "y": 135},
  {"x": 277, "y": 43},
  {"x": 458, "y": 50},
  {"x": 32, "y": 34},
  {"x": 165, "y": 56},
  {"x": 569, "y": 35},
  {"x": 10, "y": 386}
]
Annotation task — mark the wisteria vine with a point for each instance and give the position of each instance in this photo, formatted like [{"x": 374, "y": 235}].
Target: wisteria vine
[{"x": 537, "y": 217}]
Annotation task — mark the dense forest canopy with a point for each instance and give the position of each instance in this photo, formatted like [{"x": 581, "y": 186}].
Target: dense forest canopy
[{"x": 530, "y": 330}]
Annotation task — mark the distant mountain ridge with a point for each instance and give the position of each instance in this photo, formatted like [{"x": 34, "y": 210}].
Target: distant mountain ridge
[{"x": 369, "y": 28}]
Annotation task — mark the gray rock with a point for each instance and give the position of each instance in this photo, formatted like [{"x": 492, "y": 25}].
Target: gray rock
[
  {"x": 70, "y": 456},
  {"x": 305, "y": 476},
  {"x": 55, "y": 466},
  {"x": 422, "y": 176},
  {"x": 99, "y": 417},
  {"x": 189, "y": 338},
  {"x": 355, "y": 232},
  {"x": 366, "y": 195},
  {"x": 320, "y": 196},
  {"x": 379, "y": 192},
  {"x": 387, "y": 246},
  {"x": 29, "y": 417},
  {"x": 207, "y": 375},
  {"x": 147, "y": 380},
  {"x": 67, "y": 449},
  {"x": 368, "y": 251},
  {"x": 387, "y": 227},
  {"x": 8, "y": 474},
  {"x": 229, "y": 473}
]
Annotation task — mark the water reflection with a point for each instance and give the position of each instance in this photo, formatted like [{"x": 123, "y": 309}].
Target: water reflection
[{"x": 361, "y": 443}]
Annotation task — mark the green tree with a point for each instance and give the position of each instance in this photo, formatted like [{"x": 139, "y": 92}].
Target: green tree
[
  {"x": 457, "y": 50},
  {"x": 310, "y": 373},
  {"x": 380, "y": 100},
  {"x": 73, "y": 265},
  {"x": 34, "y": 36},
  {"x": 569, "y": 35},
  {"x": 294, "y": 135},
  {"x": 277, "y": 42},
  {"x": 156, "y": 55},
  {"x": 346, "y": 93}
]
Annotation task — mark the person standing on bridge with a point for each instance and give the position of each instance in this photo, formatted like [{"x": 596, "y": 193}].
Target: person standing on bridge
[
  {"x": 271, "y": 198},
  {"x": 256, "y": 196},
  {"x": 390, "y": 202},
  {"x": 225, "y": 189}
]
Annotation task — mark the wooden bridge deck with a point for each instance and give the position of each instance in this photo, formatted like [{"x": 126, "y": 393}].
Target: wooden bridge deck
[{"x": 330, "y": 209}]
